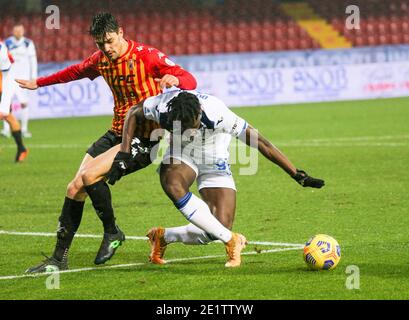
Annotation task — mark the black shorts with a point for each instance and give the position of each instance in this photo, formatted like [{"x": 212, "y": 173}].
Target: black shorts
[
  {"x": 143, "y": 153},
  {"x": 106, "y": 142}
]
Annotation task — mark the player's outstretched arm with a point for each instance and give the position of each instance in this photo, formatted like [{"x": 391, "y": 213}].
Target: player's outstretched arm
[
  {"x": 256, "y": 140},
  {"x": 27, "y": 84}
]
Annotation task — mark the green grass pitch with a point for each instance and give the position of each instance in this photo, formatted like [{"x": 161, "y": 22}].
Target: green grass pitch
[{"x": 360, "y": 148}]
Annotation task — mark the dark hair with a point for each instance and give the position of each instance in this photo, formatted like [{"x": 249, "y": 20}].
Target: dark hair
[
  {"x": 185, "y": 107},
  {"x": 103, "y": 23}
]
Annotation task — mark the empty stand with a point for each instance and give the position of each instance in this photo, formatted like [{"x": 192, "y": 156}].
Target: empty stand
[{"x": 180, "y": 27}]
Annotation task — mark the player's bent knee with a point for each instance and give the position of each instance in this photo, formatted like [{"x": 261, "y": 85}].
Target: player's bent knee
[
  {"x": 175, "y": 190},
  {"x": 75, "y": 188}
]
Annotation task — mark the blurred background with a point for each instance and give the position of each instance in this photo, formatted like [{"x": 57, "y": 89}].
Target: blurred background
[{"x": 258, "y": 52}]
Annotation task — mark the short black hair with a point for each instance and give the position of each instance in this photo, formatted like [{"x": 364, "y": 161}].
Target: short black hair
[
  {"x": 103, "y": 23},
  {"x": 185, "y": 107}
]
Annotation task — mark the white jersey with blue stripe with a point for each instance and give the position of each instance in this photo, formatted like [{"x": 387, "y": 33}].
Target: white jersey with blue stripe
[
  {"x": 5, "y": 62},
  {"x": 215, "y": 114},
  {"x": 218, "y": 125},
  {"x": 24, "y": 55}
]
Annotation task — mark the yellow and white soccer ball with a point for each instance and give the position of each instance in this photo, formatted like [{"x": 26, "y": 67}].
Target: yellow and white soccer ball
[{"x": 322, "y": 252}]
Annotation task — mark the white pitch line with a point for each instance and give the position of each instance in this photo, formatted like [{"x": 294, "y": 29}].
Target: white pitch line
[
  {"x": 140, "y": 264},
  {"x": 365, "y": 141},
  {"x": 95, "y": 236}
]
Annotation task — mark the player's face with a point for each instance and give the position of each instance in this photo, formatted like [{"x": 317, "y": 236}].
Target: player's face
[
  {"x": 112, "y": 44},
  {"x": 18, "y": 32}
]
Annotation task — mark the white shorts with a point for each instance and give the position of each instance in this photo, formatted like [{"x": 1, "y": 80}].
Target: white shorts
[
  {"x": 7, "y": 88},
  {"x": 20, "y": 94},
  {"x": 209, "y": 175}
]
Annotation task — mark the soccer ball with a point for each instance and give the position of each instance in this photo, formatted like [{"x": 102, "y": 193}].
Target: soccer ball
[{"x": 322, "y": 252}]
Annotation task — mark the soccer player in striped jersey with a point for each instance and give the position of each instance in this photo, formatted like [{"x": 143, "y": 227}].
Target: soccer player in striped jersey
[
  {"x": 6, "y": 88},
  {"x": 134, "y": 72}
]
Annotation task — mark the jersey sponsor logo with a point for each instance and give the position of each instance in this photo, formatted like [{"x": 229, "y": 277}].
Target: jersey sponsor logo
[
  {"x": 140, "y": 48},
  {"x": 220, "y": 120},
  {"x": 122, "y": 78}
]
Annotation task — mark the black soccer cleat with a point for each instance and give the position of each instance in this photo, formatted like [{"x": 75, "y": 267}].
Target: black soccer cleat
[
  {"x": 49, "y": 265},
  {"x": 109, "y": 244}
]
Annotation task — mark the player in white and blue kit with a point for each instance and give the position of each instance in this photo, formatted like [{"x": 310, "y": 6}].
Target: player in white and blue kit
[
  {"x": 25, "y": 67},
  {"x": 6, "y": 84},
  {"x": 201, "y": 127}
]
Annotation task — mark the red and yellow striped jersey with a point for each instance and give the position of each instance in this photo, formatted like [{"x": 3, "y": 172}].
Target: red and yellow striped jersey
[{"x": 130, "y": 77}]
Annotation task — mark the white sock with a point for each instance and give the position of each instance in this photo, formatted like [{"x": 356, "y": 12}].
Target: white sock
[
  {"x": 6, "y": 127},
  {"x": 24, "y": 119},
  {"x": 197, "y": 212},
  {"x": 189, "y": 234}
]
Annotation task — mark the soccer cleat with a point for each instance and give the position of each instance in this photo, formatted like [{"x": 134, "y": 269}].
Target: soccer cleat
[
  {"x": 109, "y": 244},
  {"x": 233, "y": 249},
  {"x": 49, "y": 265},
  {"x": 21, "y": 155},
  {"x": 158, "y": 245}
]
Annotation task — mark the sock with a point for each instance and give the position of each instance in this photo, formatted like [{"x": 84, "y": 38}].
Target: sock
[
  {"x": 189, "y": 234},
  {"x": 6, "y": 127},
  {"x": 197, "y": 212},
  {"x": 100, "y": 196},
  {"x": 19, "y": 140},
  {"x": 24, "y": 119},
  {"x": 69, "y": 221}
]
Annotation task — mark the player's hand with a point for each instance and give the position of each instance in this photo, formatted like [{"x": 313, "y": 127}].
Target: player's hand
[
  {"x": 306, "y": 181},
  {"x": 168, "y": 81},
  {"x": 27, "y": 84},
  {"x": 121, "y": 162}
]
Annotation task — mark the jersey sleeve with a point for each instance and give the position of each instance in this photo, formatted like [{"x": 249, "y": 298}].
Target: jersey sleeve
[
  {"x": 150, "y": 108},
  {"x": 159, "y": 64},
  {"x": 224, "y": 119},
  {"x": 85, "y": 69},
  {"x": 5, "y": 61}
]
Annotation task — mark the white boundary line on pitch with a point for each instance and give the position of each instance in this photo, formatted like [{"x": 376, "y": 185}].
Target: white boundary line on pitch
[
  {"x": 140, "y": 264},
  {"x": 363, "y": 141},
  {"x": 95, "y": 236}
]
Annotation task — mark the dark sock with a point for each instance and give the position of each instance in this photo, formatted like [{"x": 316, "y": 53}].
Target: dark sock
[
  {"x": 100, "y": 196},
  {"x": 19, "y": 140},
  {"x": 69, "y": 221}
]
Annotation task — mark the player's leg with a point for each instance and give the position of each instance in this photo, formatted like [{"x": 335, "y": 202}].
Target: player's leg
[
  {"x": 22, "y": 151},
  {"x": 72, "y": 210},
  {"x": 6, "y": 84},
  {"x": 222, "y": 204},
  {"x": 176, "y": 179},
  {"x": 93, "y": 175}
]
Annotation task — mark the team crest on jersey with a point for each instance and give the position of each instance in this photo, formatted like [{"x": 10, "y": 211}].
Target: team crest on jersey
[
  {"x": 170, "y": 62},
  {"x": 130, "y": 64}
]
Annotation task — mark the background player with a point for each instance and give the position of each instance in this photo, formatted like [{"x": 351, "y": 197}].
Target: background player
[
  {"x": 25, "y": 67},
  {"x": 6, "y": 84},
  {"x": 134, "y": 71},
  {"x": 206, "y": 126}
]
